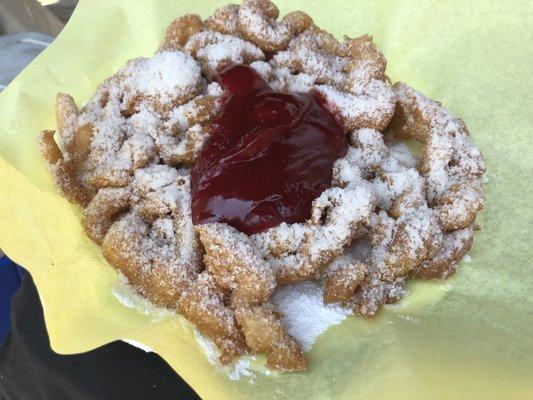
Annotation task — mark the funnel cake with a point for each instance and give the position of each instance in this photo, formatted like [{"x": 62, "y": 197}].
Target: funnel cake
[{"x": 128, "y": 157}]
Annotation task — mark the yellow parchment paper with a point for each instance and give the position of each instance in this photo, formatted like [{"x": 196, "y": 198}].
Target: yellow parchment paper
[{"x": 470, "y": 337}]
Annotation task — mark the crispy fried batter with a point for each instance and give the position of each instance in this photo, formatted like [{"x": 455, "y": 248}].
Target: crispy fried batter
[
  {"x": 82, "y": 143},
  {"x": 236, "y": 265},
  {"x": 206, "y": 48},
  {"x": 100, "y": 213},
  {"x": 265, "y": 333},
  {"x": 159, "y": 255},
  {"x": 150, "y": 258},
  {"x": 342, "y": 279},
  {"x": 257, "y": 23},
  {"x": 451, "y": 163},
  {"x": 122, "y": 247},
  {"x": 459, "y": 206},
  {"x": 179, "y": 142},
  {"x": 204, "y": 305},
  {"x": 66, "y": 117},
  {"x": 62, "y": 172},
  {"x": 180, "y": 30},
  {"x": 350, "y": 75},
  {"x": 224, "y": 20},
  {"x": 415, "y": 237},
  {"x": 298, "y": 22},
  {"x": 374, "y": 292},
  {"x": 444, "y": 263},
  {"x": 302, "y": 251},
  {"x": 64, "y": 156}
]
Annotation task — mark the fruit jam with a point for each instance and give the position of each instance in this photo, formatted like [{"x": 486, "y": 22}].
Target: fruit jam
[{"x": 269, "y": 155}]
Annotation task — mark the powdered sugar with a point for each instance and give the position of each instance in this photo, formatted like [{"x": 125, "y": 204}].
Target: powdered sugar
[
  {"x": 284, "y": 81},
  {"x": 373, "y": 108},
  {"x": 214, "y": 89},
  {"x": 304, "y": 313},
  {"x": 402, "y": 154},
  {"x": 167, "y": 75},
  {"x": 262, "y": 29},
  {"x": 262, "y": 68},
  {"x": 311, "y": 53},
  {"x": 244, "y": 367},
  {"x": 154, "y": 177},
  {"x": 214, "y": 49}
]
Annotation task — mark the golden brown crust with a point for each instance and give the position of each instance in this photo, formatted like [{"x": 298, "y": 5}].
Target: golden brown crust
[
  {"x": 180, "y": 30},
  {"x": 257, "y": 23},
  {"x": 344, "y": 276},
  {"x": 82, "y": 143},
  {"x": 100, "y": 213},
  {"x": 452, "y": 164},
  {"x": 459, "y": 206},
  {"x": 265, "y": 333},
  {"x": 298, "y": 21},
  {"x": 346, "y": 74},
  {"x": 150, "y": 265},
  {"x": 49, "y": 148},
  {"x": 122, "y": 249},
  {"x": 444, "y": 263},
  {"x": 62, "y": 172},
  {"x": 404, "y": 251},
  {"x": 407, "y": 237},
  {"x": 224, "y": 20},
  {"x": 374, "y": 292},
  {"x": 236, "y": 265},
  {"x": 66, "y": 117},
  {"x": 204, "y": 47},
  {"x": 204, "y": 305}
]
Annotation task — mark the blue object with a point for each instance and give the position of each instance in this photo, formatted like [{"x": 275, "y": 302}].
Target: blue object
[
  {"x": 16, "y": 51},
  {"x": 10, "y": 278}
]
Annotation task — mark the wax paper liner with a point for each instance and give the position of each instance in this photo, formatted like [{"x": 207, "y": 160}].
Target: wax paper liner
[{"x": 469, "y": 337}]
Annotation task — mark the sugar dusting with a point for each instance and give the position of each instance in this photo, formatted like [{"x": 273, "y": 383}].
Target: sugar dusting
[
  {"x": 246, "y": 366},
  {"x": 243, "y": 367},
  {"x": 128, "y": 297},
  {"x": 304, "y": 312},
  {"x": 305, "y": 316},
  {"x": 166, "y": 75},
  {"x": 402, "y": 154}
]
